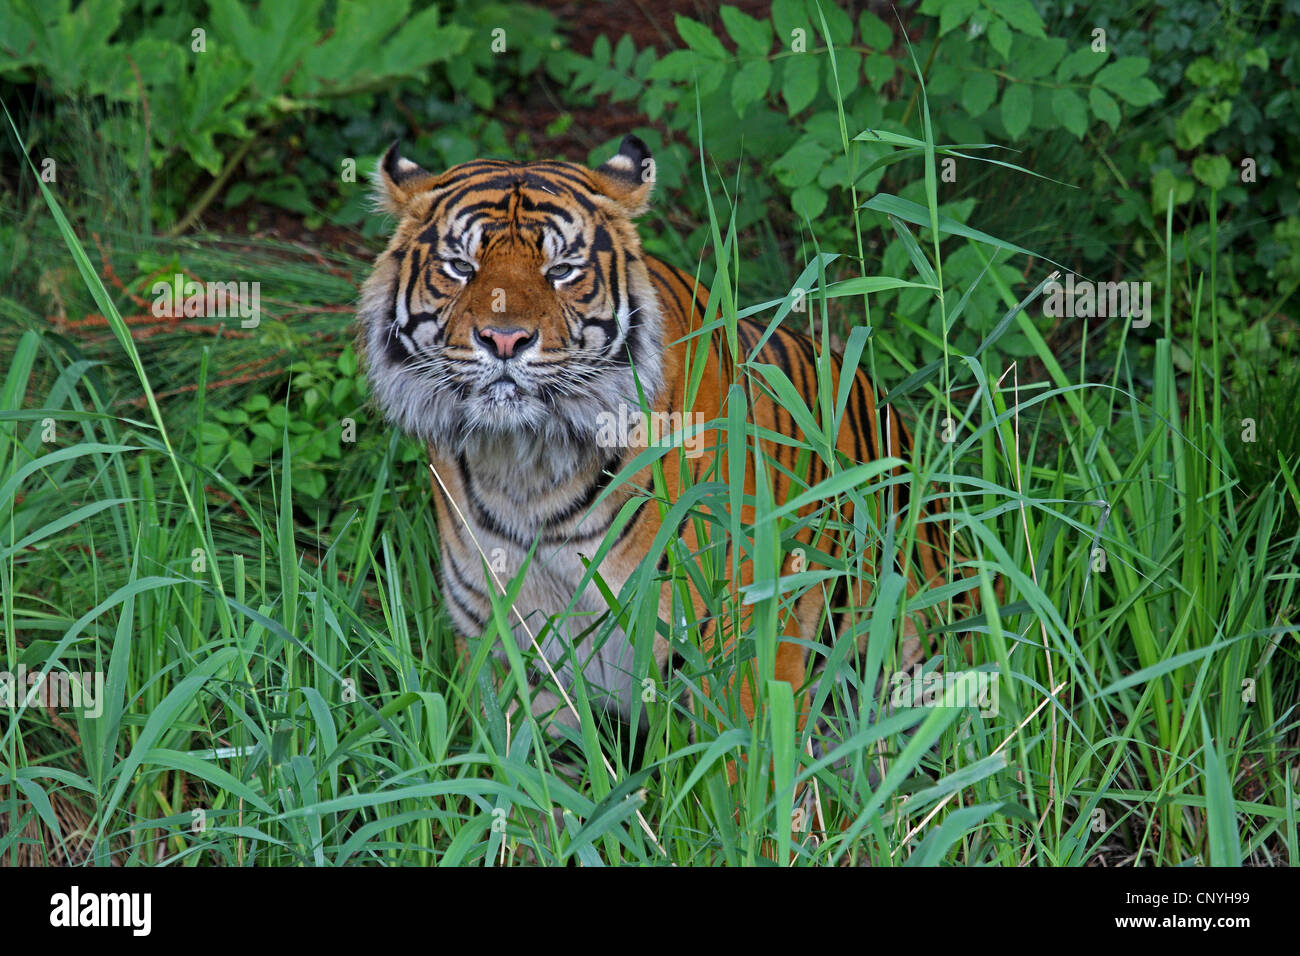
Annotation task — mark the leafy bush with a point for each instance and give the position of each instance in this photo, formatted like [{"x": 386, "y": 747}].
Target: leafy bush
[
  {"x": 1095, "y": 103},
  {"x": 782, "y": 96},
  {"x": 326, "y": 400},
  {"x": 222, "y": 75},
  {"x": 209, "y": 79}
]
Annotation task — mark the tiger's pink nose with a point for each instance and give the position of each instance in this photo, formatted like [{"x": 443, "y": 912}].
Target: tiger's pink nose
[{"x": 504, "y": 342}]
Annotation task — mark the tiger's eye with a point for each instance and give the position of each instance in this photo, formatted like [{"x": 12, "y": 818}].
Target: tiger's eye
[
  {"x": 461, "y": 267},
  {"x": 562, "y": 271}
]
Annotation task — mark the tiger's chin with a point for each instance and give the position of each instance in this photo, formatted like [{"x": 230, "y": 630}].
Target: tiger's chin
[
  {"x": 522, "y": 443},
  {"x": 502, "y": 424},
  {"x": 506, "y": 419},
  {"x": 503, "y": 406}
]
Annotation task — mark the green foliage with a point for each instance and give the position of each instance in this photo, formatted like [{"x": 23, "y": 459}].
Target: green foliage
[
  {"x": 773, "y": 96},
  {"x": 325, "y": 399},
  {"x": 210, "y": 81},
  {"x": 223, "y": 74},
  {"x": 1179, "y": 105}
]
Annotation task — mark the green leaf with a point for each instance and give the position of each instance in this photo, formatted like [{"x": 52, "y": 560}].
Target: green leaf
[
  {"x": 1017, "y": 105},
  {"x": 799, "y": 82},
  {"x": 205, "y": 770},
  {"x": 1036, "y": 57},
  {"x": 339, "y": 391},
  {"x": 72, "y": 47},
  {"x": 808, "y": 201},
  {"x": 939, "y": 839},
  {"x": 210, "y": 103},
  {"x": 954, "y": 13},
  {"x": 1222, "y": 75},
  {"x": 347, "y": 362},
  {"x": 624, "y": 53},
  {"x": 875, "y": 33},
  {"x": 1224, "y": 838},
  {"x": 919, "y": 215},
  {"x": 847, "y": 65},
  {"x": 1126, "y": 78},
  {"x": 863, "y": 285},
  {"x": 1213, "y": 171},
  {"x": 838, "y": 22},
  {"x": 676, "y": 66},
  {"x": 879, "y": 69},
  {"x": 700, "y": 38},
  {"x": 163, "y": 718},
  {"x": 801, "y": 163},
  {"x": 944, "y": 79},
  {"x": 370, "y": 45},
  {"x": 787, "y": 17},
  {"x": 979, "y": 90},
  {"x": 750, "y": 84},
  {"x": 1020, "y": 14},
  {"x": 212, "y": 433},
  {"x": 1082, "y": 62},
  {"x": 237, "y": 193},
  {"x": 241, "y": 458},
  {"x": 1162, "y": 182},
  {"x": 1069, "y": 108},
  {"x": 57, "y": 525},
  {"x": 272, "y": 39},
  {"x": 1104, "y": 105},
  {"x": 1202, "y": 117},
  {"x": 1000, "y": 38},
  {"x": 753, "y": 37}
]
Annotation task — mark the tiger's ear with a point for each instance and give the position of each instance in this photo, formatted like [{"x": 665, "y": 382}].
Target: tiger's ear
[
  {"x": 628, "y": 177},
  {"x": 397, "y": 181}
]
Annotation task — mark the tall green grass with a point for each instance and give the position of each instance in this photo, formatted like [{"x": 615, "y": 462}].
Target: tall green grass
[{"x": 281, "y": 692}]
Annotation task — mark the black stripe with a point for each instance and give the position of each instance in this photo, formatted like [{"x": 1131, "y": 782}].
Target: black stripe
[
  {"x": 460, "y": 580},
  {"x": 393, "y": 347},
  {"x": 782, "y": 361},
  {"x": 546, "y": 207},
  {"x": 635, "y": 520},
  {"x": 481, "y": 512},
  {"x": 849, "y": 419},
  {"x": 662, "y": 283},
  {"x": 690, "y": 289},
  {"x": 450, "y": 593},
  {"x": 584, "y": 501},
  {"x": 609, "y": 327},
  {"x": 632, "y": 351},
  {"x": 859, "y": 399}
]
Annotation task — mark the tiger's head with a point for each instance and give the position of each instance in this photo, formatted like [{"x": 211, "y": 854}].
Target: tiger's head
[{"x": 513, "y": 302}]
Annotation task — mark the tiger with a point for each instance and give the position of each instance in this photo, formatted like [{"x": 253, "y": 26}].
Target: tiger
[{"x": 512, "y": 316}]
